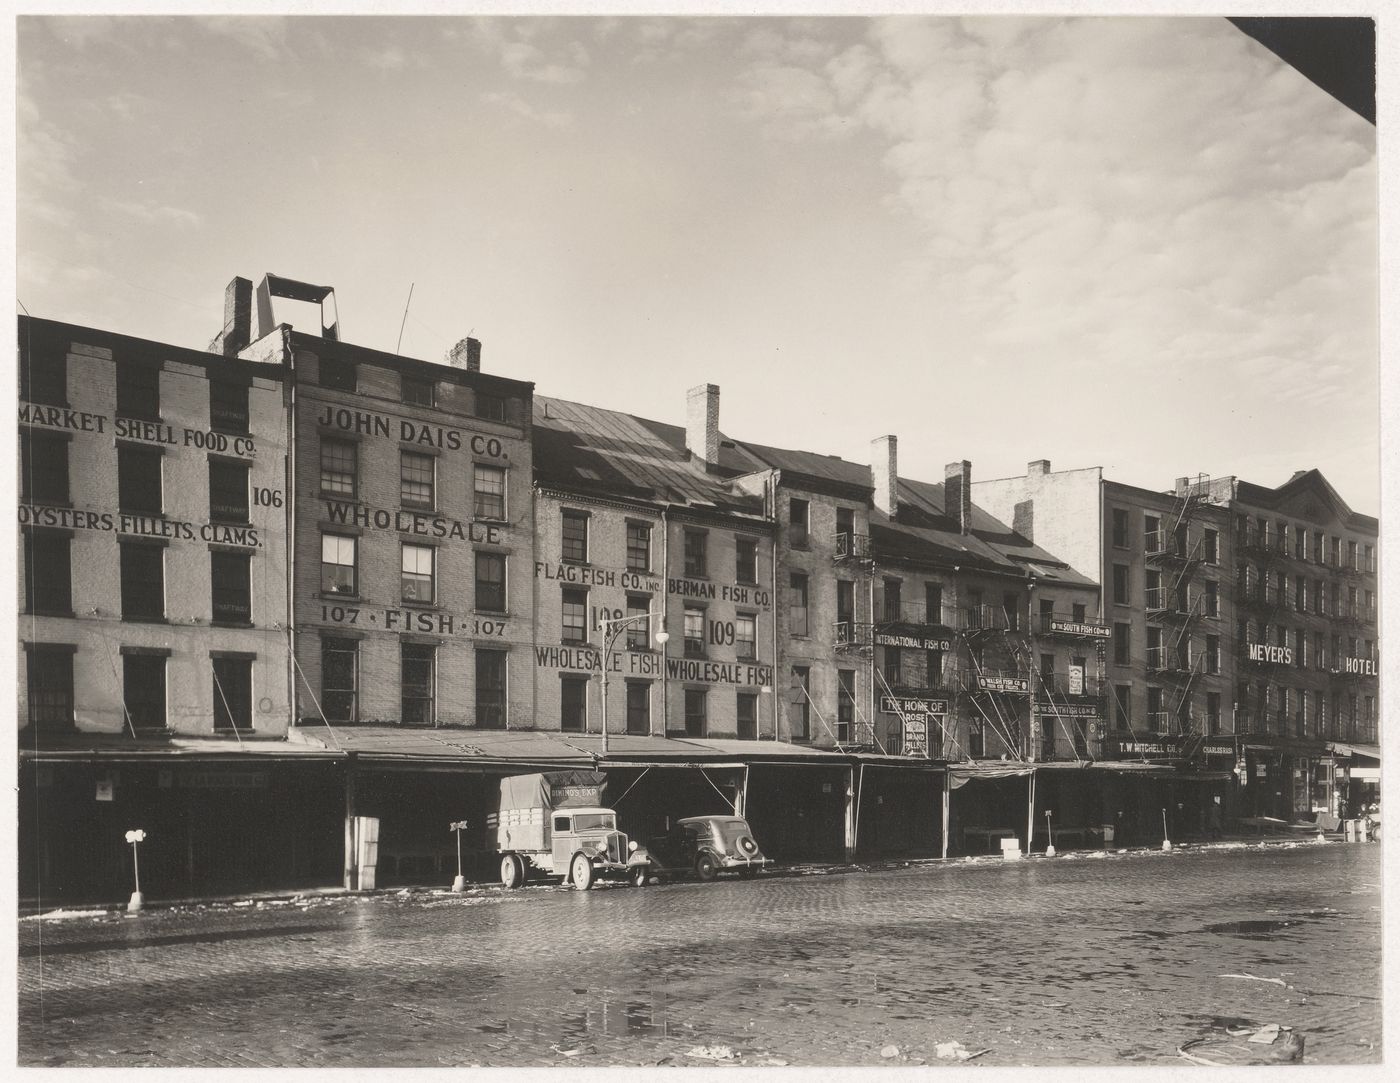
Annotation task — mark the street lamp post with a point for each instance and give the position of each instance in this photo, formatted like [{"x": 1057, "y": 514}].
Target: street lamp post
[{"x": 612, "y": 629}]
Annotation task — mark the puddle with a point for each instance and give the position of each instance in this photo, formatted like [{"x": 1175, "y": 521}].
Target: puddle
[{"x": 1250, "y": 930}]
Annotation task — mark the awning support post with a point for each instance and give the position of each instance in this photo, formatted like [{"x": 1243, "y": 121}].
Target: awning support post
[
  {"x": 1030, "y": 814},
  {"x": 947, "y": 790},
  {"x": 851, "y": 813},
  {"x": 741, "y": 803},
  {"x": 351, "y": 870}
]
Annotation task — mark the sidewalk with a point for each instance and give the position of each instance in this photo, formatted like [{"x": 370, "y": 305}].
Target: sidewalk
[{"x": 30, "y": 908}]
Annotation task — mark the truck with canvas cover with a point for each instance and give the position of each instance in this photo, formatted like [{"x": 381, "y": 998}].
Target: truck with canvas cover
[{"x": 554, "y": 824}]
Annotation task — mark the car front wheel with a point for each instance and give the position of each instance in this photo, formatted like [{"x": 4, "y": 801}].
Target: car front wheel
[
  {"x": 638, "y": 875},
  {"x": 706, "y": 867},
  {"x": 581, "y": 872}
]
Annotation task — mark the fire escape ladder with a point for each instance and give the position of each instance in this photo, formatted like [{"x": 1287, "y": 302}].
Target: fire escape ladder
[{"x": 1002, "y": 726}]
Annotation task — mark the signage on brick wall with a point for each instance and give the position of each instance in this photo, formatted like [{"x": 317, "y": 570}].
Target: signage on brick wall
[
  {"x": 916, "y": 736},
  {"x": 918, "y": 643},
  {"x": 990, "y": 683},
  {"x": 590, "y": 660},
  {"x": 725, "y": 592},
  {"x": 1076, "y": 628},
  {"x": 419, "y": 524},
  {"x": 1365, "y": 667},
  {"x": 740, "y": 673},
  {"x": 425, "y": 621},
  {"x": 130, "y": 428},
  {"x": 1071, "y": 710},
  {"x": 137, "y": 526},
  {"x": 585, "y": 575},
  {"x": 409, "y": 432},
  {"x": 1262, "y": 652}
]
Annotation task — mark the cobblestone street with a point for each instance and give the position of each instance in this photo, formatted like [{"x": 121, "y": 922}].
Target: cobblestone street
[{"x": 1087, "y": 959}]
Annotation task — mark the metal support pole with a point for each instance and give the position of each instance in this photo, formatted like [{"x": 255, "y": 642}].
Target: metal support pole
[
  {"x": 350, "y": 858},
  {"x": 1030, "y": 814},
  {"x": 947, "y": 791},
  {"x": 850, "y": 840}
]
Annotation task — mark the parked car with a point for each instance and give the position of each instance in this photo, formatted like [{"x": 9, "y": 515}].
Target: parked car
[{"x": 705, "y": 846}]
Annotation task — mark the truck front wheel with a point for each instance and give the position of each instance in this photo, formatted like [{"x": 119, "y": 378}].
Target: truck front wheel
[
  {"x": 581, "y": 872},
  {"x": 512, "y": 871}
]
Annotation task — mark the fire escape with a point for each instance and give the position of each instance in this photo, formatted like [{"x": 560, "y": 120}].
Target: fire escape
[
  {"x": 1258, "y": 601},
  {"x": 1075, "y": 701}
]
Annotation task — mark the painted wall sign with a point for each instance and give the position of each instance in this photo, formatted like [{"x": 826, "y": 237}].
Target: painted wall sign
[
  {"x": 590, "y": 660},
  {"x": 429, "y": 621},
  {"x": 912, "y": 705},
  {"x": 1076, "y": 680},
  {"x": 1003, "y": 684},
  {"x": 409, "y": 432},
  {"x": 589, "y": 576},
  {"x": 1365, "y": 667},
  {"x": 222, "y": 780},
  {"x": 729, "y": 592},
  {"x": 1079, "y": 629},
  {"x": 1262, "y": 652},
  {"x": 416, "y": 523},
  {"x": 919, "y": 643},
  {"x": 740, "y": 673},
  {"x": 131, "y": 428},
  {"x": 140, "y": 526},
  {"x": 1072, "y": 710}
]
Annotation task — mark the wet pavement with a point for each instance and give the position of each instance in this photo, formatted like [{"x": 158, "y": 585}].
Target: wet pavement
[{"x": 1092, "y": 959}]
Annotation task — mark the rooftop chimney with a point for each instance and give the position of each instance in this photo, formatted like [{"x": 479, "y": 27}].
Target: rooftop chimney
[
  {"x": 957, "y": 493},
  {"x": 884, "y": 473},
  {"x": 1038, "y": 469},
  {"x": 466, "y": 355},
  {"x": 702, "y": 422},
  {"x": 238, "y": 318}
]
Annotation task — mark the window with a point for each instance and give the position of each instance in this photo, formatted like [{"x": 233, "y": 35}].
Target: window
[
  {"x": 228, "y": 406},
  {"x": 798, "y": 511},
  {"x": 893, "y": 600},
  {"x": 1369, "y": 553},
  {"x": 694, "y": 632},
  {"x": 638, "y": 708},
  {"x": 1300, "y": 594},
  {"x": 638, "y": 546},
  {"x": 695, "y": 553},
  {"x": 1282, "y": 537},
  {"x": 1010, "y": 606},
  {"x": 845, "y": 532},
  {"x": 575, "y": 615},
  {"x": 1336, "y": 552},
  {"x": 230, "y": 581},
  {"x": 417, "y": 390},
  {"x": 228, "y": 491},
  {"x": 1156, "y": 717},
  {"x": 43, "y": 467},
  {"x": 1212, "y": 654},
  {"x": 338, "y": 568},
  {"x": 50, "y": 680},
  {"x": 976, "y": 740},
  {"x": 746, "y": 716},
  {"x": 573, "y": 704},
  {"x": 696, "y": 707},
  {"x": 639, "y": 628},
  {"x": 1351, "y": 556},
  {"x": 797, "y": 604},
  {"x": 417, "y": 684},
  {"x": 48, "y": 573},
  {"x": 489, "y": 406},
  {"x": 1300, "y": 543},
  {"x": 1210, "y": 544},
  {"x": 490, "y": 582},
  {"x": 1212, "y": 714},
  {"x": 490, "y": 689},
  {"x": 1078, "y": 613},
  {"x": 138, "y": 391},
  {"x": 1212, "y": 600},
  {"x": 746, "y": 561},
  {"x": 143, "y": 690},
  {"x": 800, "y": 716},
  {"x": 340, "y": 673},
  {"x": 892, "y": 673},
  {"x": 1120, "y": 584},
  {"x": 416, "y": 479},
  {"x": 745, "y": 635},
  {"x": 1047, "y": 669},
  {"x": 143, "y": 581},
  {"x": 339, "y": 467},
  {"x": 138, "y": 478},
  {"x": 1317, "y": 547},
  {"x": 575, "y": 537},
  {"x": 1120, "y": 528},
  {"x": 337, "y": 374},
  {"x": 1152, "y": 540},
  {"x": 1320, "y": 650},
  {"x": 44, "y": 381},
  {"x": 933, "y": 665},
  {"x": 417, "y": 579},
  {"x": 933, "y": 603},
  {"x": 489, "y": 493},
  {"x": 1319, "y": 596},
  {"x": 233, "y": 693},
  {"x": 845, "y": 705}
]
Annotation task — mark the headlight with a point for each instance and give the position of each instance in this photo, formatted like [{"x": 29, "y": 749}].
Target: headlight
[{"x": 632, "y": 847}]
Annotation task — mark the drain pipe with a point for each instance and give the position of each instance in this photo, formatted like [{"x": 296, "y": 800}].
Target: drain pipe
[{"x": 665, "y": 612}]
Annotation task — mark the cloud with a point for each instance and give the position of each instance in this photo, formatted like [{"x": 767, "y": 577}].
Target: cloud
[
  {"x": 151, "y": 213},
  {"x": 1157, "y": 194},
  {"x": 550, "y": 118},
  {"x": 263, "y": 35}
]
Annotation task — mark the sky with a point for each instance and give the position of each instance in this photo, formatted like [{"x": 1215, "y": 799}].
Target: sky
[{"x": 1145, "y": 244}]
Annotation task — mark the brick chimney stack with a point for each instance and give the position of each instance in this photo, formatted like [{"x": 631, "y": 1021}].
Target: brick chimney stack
[
  {"x": 702, "y": 422},
  {"x": 957, "y": 493},
  {"x": 466, "y": 355},
  {"x": 884, "y": 473},
  {"x": 238, "y": 318},
  {"x": 1038, "y": 469}
]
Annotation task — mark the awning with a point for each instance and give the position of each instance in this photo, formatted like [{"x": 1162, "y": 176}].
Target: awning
[
  {"x": 1369, "y": 752},
  {"x": 116, "y": 748}
]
